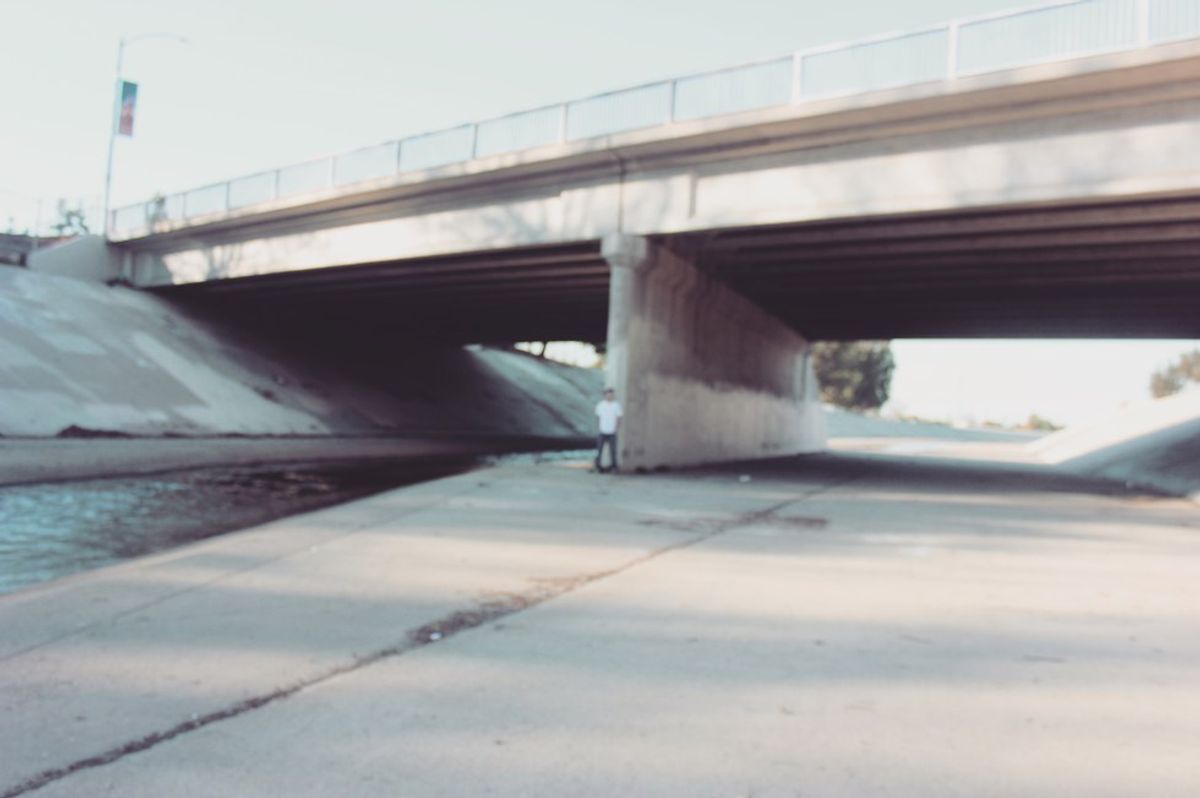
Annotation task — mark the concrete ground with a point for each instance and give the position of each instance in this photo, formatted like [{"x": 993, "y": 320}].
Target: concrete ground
[
  {"x": 993, "y": 451},
  {"x": 838, "y": 625}
]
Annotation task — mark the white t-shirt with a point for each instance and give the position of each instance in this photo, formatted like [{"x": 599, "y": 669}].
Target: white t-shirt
[{"x": 608, "y": 413}]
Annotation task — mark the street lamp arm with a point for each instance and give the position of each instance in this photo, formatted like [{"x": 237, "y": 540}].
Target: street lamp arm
[{"x": 157, "y": 35}]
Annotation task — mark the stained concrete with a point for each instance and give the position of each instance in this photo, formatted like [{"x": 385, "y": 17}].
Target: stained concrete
[
  {"x": 820, "y": 626},
  {"x": 704, "y": 374}
]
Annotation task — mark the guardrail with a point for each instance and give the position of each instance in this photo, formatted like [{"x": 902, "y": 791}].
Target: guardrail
[{"x": 963, "y": 47}]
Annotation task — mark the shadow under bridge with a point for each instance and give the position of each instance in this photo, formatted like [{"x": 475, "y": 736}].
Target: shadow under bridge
[{"x": 557, "y": 292}]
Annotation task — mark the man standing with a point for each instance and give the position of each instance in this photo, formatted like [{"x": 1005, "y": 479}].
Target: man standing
[{"x": 608, "y": 411}]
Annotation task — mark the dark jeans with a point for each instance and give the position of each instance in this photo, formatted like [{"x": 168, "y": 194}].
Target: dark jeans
[{"x": 611, "y": 440}]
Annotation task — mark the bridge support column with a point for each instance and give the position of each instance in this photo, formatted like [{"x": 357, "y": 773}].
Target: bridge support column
[{"x": 704, "y": 374}]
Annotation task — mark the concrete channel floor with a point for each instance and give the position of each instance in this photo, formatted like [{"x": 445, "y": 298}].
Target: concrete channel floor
[{"x": 838, "y": 625}]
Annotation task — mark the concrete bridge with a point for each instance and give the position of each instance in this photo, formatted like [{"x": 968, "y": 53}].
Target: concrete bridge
[
  {"x": 701, "y": 226},
  {"x": 1058, "y": 198}
]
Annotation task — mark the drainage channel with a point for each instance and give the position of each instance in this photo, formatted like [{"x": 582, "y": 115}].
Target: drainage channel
[{"x": 52, "y": 530}]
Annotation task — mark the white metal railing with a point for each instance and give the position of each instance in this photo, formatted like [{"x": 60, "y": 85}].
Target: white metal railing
[{"x": 1053, "y": 31}]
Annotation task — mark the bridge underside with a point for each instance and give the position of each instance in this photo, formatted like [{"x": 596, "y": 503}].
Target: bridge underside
[
  {"x": 528, "y": 294},
  {"x": 1128, "y": 269},
  {"x": 1088, "y": 270}
]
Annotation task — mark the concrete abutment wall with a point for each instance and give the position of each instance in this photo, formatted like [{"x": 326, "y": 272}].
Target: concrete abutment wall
[
  {"x": 108, "y": 359},
  {"x": 704, "y": 374}
]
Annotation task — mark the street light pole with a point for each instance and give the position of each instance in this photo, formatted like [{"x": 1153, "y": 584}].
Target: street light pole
[
  {"x": 112, "y": 134},
  {"x": 116, "y": 113}
]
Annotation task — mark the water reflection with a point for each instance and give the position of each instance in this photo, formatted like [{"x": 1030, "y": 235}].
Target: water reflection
[{"x": 52, "y": 530}]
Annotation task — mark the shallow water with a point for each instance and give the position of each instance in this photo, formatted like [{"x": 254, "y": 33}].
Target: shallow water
[{"x": 52, "y": 530}]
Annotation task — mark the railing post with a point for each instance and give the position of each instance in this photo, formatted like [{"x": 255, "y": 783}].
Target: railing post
[
  {"x": 797, "y": 76},
  {"x": 474, "y": 141},
  {"x": 1143, "y": 23},
  {"x": 671, "y": 101},
  {"x": 228, "y": 189},
  {"x": 952, "y": 31},
  {"x": 562, "y": 123},
  {"x": 275, "y": 185}
]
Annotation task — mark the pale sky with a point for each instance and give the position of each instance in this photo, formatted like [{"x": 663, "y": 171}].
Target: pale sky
[
  {"x": 264, "y": 83},
  {"x": 1068, "y": 382}
]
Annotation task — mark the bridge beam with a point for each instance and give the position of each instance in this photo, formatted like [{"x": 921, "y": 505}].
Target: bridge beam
[{"x": 704, "y": 374}]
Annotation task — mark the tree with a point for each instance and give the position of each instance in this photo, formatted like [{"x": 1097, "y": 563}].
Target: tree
[
  {"x": 71, "y": 219},
  {"x": 1172, "y": 378},
  {"x": 1040, "y": 424},
  {"x": 854, "y": 374}
]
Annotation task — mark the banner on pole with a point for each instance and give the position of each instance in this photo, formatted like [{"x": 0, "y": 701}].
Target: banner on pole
[{"x": 128, "y": 106}]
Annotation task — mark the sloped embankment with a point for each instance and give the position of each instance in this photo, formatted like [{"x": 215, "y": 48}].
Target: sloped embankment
[
  {"x": 1154, "y": 443},
  {"x": 91, "y": 359}
]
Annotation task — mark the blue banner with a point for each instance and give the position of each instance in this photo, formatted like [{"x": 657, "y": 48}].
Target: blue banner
[{"x": 128, "y": 105}]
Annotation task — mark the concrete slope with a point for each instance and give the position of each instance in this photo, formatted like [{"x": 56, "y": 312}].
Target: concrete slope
[
  {"x": 77, "y": 353},
  {"x": 449, "y": 389},
  {"x": 849, "y": 424},
  {"x": 83, "y": 355},
  {"x": 1154, "y": 443}
]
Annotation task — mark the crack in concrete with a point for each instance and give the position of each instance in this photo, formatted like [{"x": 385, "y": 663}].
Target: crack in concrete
[{"x": 428, "y": 634}]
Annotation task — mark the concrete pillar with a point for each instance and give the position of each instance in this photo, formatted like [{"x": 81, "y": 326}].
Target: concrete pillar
[{"x": 704, "y": 374}]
